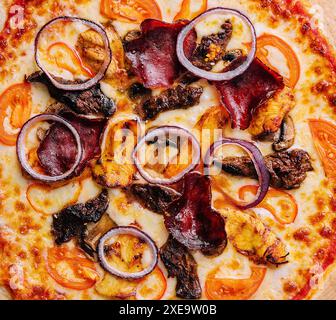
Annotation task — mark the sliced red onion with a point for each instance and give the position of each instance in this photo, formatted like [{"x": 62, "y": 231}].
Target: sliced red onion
[
  {"x": 127, "y": 231},
  {"x": 21, "y": 152},
  {"x": 213, "y": 76},
  {"x": 257, "y": 159},
  {"x": 72, "y": 85},
  {"x": 163, "y": 131}
]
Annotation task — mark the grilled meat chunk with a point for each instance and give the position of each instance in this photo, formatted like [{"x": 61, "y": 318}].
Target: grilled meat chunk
[
  {"x": 253, "y": 239},
  {"x": 89, "y": 102},
  {"x": 179, "y": 97},
  {"x": 182, "y": 265},
  {"x": 288, "y": 169},
  {"x": 154, "y": 197},
  {"x": 71, "y": 221},
  {"x": 212, "y": 48}
]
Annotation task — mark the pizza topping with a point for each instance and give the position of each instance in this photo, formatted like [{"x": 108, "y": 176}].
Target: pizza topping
[
  {"x": 211, "y": 48},
  {"x": 242, "y": 95},
  {"x": 189, "y": 12},
  {"x": 153, "y": 286},
  {"x": 76, "y": 154},
  {"x": 170, "y": 151},
  {"x": 179, "y": 97},
  {"x": 71, "y": 222},
  {"x": 153, "y": 55},
  {"x": 57, "y": 150},
  {"x": 115, "y": 167},
  {"x": 252, "y": 238},
  {"x": 257, "y": 164},
  {"x": 88, "y": 102},
  {"x": 182, "y": 265},
  {"x": 48, "y": 31},
  {"x": 217, "y": 288},
  {"x": 280, "y": 204},
  {"x": 17, "y": 98},
  {"x": 127, "y": 252},
  {"x": 82, "y": 275},
  {"x": 154, "y": 197},
  {"x": 285, "y": 136},
  {"x": 288, "y": 169},
  {"x": 192, "y": 221},
  {"x": 268, "y": 117},
  {"x": 132, "y": 11}
]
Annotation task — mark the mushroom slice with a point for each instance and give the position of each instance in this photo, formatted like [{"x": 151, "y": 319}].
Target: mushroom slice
[{"x": 286, "y": 135}]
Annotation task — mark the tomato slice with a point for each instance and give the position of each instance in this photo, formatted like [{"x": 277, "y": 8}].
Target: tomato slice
[
  {"x": 324, "y": 137},
  {"x": 134, "y": 11},
  {"x": 17, "y": 100},
  {"x": 233, "y": 289},
  {"x": 70, "y": 268},
  {"x": 292, "y": 60},
  {"x": 60, "y": 51},
  {"x": 285, "y": 202},
  {"x": 153, "y": 286},
  {"x": 186, "y": 11}
]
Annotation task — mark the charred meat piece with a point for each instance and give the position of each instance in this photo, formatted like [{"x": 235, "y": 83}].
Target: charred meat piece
[
  {"x": 138, "y": 91},
  {"x": 192, "y": 221},
  {"x": 182, "y": 265},
  {"x": 89, "y": 102},
  {"x": 288, "y": 169},
  {"x": 212, "y": 48},
  {"x": 253, "y": 239},
  {"x": 154, "y": 197},
  {"x": 174, "y": 98},
  {"x": 71, "y": 221}
]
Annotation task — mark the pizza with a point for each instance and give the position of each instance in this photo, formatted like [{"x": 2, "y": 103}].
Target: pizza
[{"x": 166, "y": 150}]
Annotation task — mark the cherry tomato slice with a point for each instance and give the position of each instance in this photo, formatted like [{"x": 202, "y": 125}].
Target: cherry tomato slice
[
  {"x": 17, "y": 100},
  {"x": 233, "y": 289},
  {"x": 153, "y": 286},
  {"x": 286, "y": 203}
]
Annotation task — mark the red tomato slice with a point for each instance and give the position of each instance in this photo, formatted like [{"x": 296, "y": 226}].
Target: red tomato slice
[
  {"x": 62, "y": 260},
  {"x": 59, "y": 51},
  {"x": 18, "y": 100},
  {"x": 286, "y": 208},
  {"x": 134, "y": 11},
  {"x": 291, "y": 57},
  {"x": 233, "y": 289},
  {"x": 186, "y": 10},
  {"x": 153, "y": 286},
  {"x": 324, "y": 137}
]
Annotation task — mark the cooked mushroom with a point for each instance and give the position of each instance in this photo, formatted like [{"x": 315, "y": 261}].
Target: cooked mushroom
[
  {"x": 285, "y": 136},
  {"x": 94, "y": 231}
]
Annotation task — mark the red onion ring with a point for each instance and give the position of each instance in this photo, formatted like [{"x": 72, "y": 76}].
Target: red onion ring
[
  {"x": 212, "y": 76},
  {"x": 72, "y": 86},
  {"x": 257, "y": 159},
  {"x": 164, "y": 130},
  {"x": 21, "y": 153},
  {"x": 134, "y": 232}
]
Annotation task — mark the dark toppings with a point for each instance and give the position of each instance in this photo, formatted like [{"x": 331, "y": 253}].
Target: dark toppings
[
  {"x": 192, "y": 221},
  {"x": 288, "y": 169},
  {"x": 58, "y": 149},
  {"x": 154, "y": 197},
  {"x": 71, "y": 221},
  {"x": 243, "y": 94},
  {"x": 88, "y": 102},
  {"x": 153, "y": 54},
  {"x": 182, "y": 265},
  {"x": 179, "y": 97}
]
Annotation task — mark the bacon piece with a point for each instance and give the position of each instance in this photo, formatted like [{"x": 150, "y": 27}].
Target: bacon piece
[
  {"x": 242, "y": 95},
  {"x": 58, "y": 149},
  {"x": 192, "y": 221},
  {"x": 153, "y": 54}
]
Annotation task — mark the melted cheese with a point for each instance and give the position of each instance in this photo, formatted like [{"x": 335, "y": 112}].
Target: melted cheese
[{"x": 27, "y": 232}]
